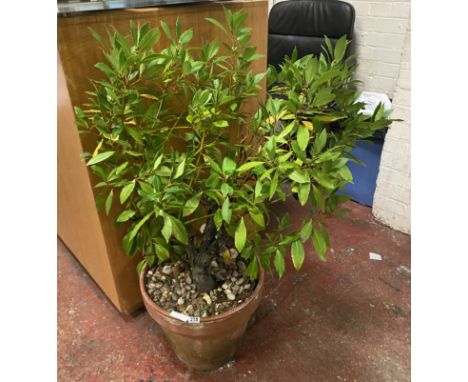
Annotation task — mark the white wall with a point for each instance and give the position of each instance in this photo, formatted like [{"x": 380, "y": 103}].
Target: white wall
[
  {"x": 382, "y": 44},
  {"x": 392, "y": 199}
]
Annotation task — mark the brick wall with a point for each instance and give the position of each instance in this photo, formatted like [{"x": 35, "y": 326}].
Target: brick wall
[
  {"x": 392, "y": 199},
  {"x": 379, "y": 35},
  {"x": 382, "y": 45}
]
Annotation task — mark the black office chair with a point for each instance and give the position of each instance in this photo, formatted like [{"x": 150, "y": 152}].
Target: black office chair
[{"x": 303, "y": 24}]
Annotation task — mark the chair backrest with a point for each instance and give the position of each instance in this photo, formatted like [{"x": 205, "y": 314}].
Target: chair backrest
[{"x": 303, "y": 24}]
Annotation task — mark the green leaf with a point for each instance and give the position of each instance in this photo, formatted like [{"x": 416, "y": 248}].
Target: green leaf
[
  {"x": 329, "y": 117},
  {"x": 137, "y": 226},
  {"x": 319, "y": 198},
  {"x": 218, "y": 219},
  {"x": 109, "y": 199},
  {"x": 323, "y": 97},
  {"x": 319, "y": 241},
  {"x": 124, "y": 216},
  {"x": 258, "y": 218},
  {"x": 229, "y": 166},
  {"x": 323, "y": 180},
  {"x": 134, "y": 32},
  {"x": 127, "y": 244},
  {"x": 306, "y": 230},
  {"x": 303, "y": 137},
  {"x": 134, "y": 134},
  {"x": 248, "y": 166},
  {"x": 97, "y": 36},
  {"x": 158, "y": 161},
  {"x": 310, "y": 69},
  {"x": 140, "y": 266},
  {"x": 240, "y": 236},
  {"x": 186, "y": 69},
  {"x": 100, "y": 157},
  {"x": 149, "y": 39},
  {"x": 213, "y": 164},
  {"x": 279, "y": 263},
  {"x": 273, "y": 184},
  {"x": 320, "y": 141},
  {"x": 179, "y": 231},
  {"x": 216, "y": 23},
  {"x": 191, "y": 205},
  {"x": 226, "y": 189},
  {"x": 161, "y": 250},
  {"x": 299, "y": 176},
  {"x": 226, "y": 210},
  {"x": 328, "y": 155},
  {"x": 340, "y": 48},
  {"x": 149, "y": 260},
  {"x": 221, "y": 123},
  {"x": 284, "y": 222},
  {"x": 287, "y": 130},
  {"x": 145, "y": 187},
  {"x": 119, "y": 169},
  {"x": 328, "y": 45},
  {"x": 345, "y": 173},
  {"x": 166, "y": 29},
  {"x": 166, "y": 230},
  {"x": 180, "y": 169},
  {"x": 186, "y": 36},
  {"x": 283, "y": 158},
  {"x": 303, "y": 194},
  {"x": 126, "y": 191},
  {"x": 297, "y": 254},
  {"x": 252, "y": 269},
  {"x": 105, "y": 69}
]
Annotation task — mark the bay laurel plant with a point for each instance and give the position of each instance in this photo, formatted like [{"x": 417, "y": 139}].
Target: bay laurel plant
[{"x": 170, "y": 170}]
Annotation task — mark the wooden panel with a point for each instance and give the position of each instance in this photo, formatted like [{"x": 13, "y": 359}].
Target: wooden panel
[
  {"x": 78, "y": 222},
  {"x": 78, "y": 53}
]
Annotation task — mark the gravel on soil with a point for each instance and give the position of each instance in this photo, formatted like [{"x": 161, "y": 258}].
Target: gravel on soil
[{"x": 170, "y": 285}]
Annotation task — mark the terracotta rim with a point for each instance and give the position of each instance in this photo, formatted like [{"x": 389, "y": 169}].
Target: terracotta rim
[{"x": 219, "y": 317}]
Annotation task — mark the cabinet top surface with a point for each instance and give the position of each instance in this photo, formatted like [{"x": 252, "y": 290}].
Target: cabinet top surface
[{"x": 67, "y": 8}]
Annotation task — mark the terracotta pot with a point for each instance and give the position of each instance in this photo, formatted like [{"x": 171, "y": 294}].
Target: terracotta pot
[{"x": 212, "y": 342}]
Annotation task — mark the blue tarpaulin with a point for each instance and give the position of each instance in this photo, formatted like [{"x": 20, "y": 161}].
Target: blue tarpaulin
[{"x": 364, "y": 177}]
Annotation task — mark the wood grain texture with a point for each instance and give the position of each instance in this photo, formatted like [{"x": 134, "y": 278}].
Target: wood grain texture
[
  {"x": 77, "y": 219},
  {"x": 78, "y": 53}
]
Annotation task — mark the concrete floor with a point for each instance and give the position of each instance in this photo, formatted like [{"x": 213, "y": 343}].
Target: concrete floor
[{"x": 347, "y": 319}]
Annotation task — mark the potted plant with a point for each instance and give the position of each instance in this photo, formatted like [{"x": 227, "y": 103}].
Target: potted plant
[{"x": 196, "y": 198}]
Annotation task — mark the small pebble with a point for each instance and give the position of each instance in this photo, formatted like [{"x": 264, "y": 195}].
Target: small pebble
[
  {"x": 189, "y": 310},
  {"x": 207, "y": 298},
  {"x": 229, "y": 294},
  {"x": 233, "y": 253},
  {"x": 172, "y": 288}
]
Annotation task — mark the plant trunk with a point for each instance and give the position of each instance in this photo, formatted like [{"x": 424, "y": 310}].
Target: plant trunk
[
  {"x": 202, "y": 278},
  {"x": 212, "y": 243}
]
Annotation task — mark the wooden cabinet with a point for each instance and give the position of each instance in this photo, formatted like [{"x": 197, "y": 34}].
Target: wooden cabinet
[{"x": 91, "y": 236}]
